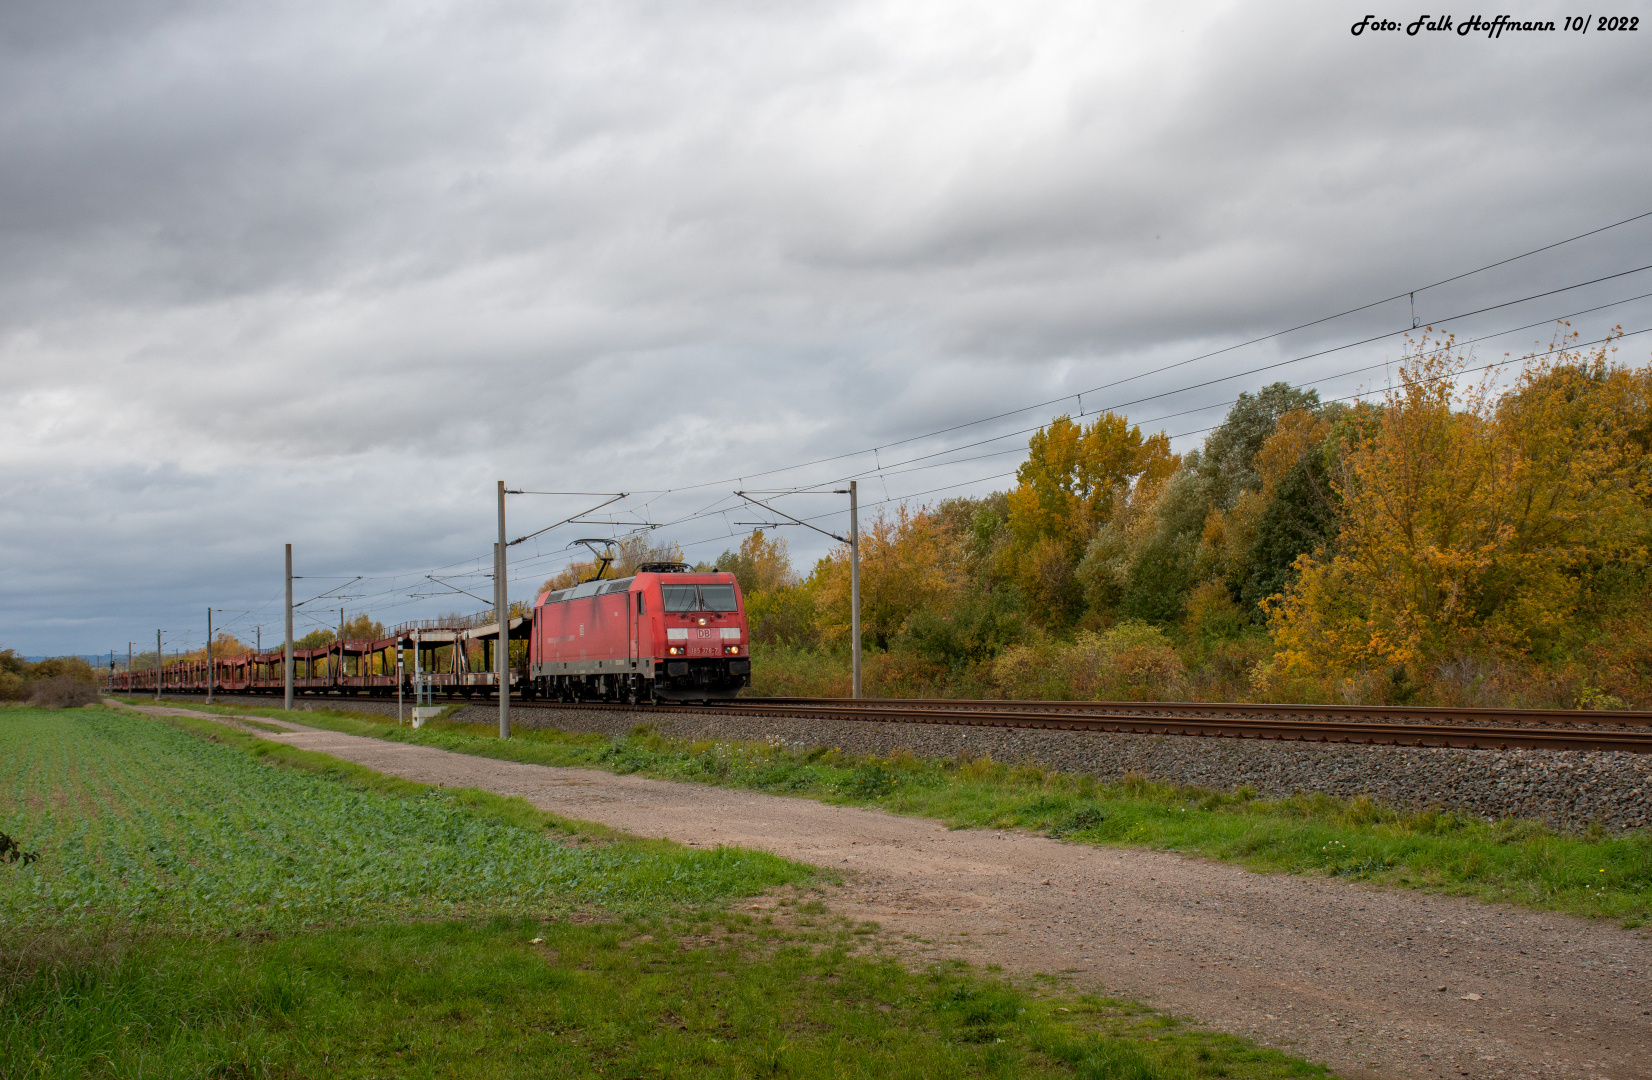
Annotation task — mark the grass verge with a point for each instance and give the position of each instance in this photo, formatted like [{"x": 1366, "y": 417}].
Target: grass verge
[
  {"x": 1523, "y": 862},
  {"x": 707, "y": 994}
]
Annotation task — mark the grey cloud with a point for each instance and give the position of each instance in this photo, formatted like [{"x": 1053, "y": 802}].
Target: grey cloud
[{"x": 326, "y": 273}]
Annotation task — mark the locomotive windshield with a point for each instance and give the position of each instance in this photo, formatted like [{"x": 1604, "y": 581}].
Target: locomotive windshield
[
  {"x": 717, "y": 597},
  {"x": 681, "y": 597},
  {"x": 698, "y": 597}
]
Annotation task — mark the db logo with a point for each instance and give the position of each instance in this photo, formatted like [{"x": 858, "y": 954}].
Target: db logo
[{"x": 706, "y": 634}]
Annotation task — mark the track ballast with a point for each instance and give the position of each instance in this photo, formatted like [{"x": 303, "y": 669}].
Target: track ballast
[{"x": 1468, "y": 729}]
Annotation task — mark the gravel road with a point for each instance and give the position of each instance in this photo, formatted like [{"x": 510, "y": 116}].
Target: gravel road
[{"x": 1374, "y": 983}]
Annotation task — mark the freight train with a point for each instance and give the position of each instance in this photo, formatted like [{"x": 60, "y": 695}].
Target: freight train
[{"x": 663, "y": 634}]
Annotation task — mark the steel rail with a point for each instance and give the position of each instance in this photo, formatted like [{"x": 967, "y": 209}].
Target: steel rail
[
  {"x": 1057, "y": 717},
  {"x": 1230, "y": 710}
]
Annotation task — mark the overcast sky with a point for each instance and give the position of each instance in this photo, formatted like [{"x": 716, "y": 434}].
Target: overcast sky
[{"x": 323, "y": 273}]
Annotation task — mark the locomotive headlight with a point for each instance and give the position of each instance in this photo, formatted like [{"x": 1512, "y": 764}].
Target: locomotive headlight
[
  {"x": 702, "y": 620},
  {"x": 676, "y": 650},
  {"x": 732, "y": 650}
]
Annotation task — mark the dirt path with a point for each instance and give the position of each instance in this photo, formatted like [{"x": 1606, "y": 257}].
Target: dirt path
[{"x": 1375, "y": 983}]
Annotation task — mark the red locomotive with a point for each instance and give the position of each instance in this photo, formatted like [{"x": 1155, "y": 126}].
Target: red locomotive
[{"x": 666, "y": 634}]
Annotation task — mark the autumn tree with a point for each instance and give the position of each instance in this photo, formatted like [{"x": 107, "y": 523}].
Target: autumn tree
[
  {"x": 761, "y": 564},
  {"x": 1472, "y": 520},
  {"x": 224, "y": 646},
  {"x": 1300, "y": 517},
  {"x": 780, "y": 608},
  {"x": 908, "y": 563},
  {"x": 637, "y": 549},
  {"x": 1279, "y": 507},
  {"x": 1164, "y": 541},
  {"x": 1072, "y": 484},
  {"x": 363, "y": 628},
  {"x": 1230, "y": 459},
  {"x": 1075, "y": 476},
  {"x": 984, "y": 607}
]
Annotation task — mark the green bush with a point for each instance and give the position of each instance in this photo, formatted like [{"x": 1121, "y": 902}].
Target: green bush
[{"x": 1132, "y": 661}]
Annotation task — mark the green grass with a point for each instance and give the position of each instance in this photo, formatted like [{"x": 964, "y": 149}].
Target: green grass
[
  {"x": 284, "y": 914},
  {"x": 139, "y": 821},
  {"x": 274, "y": 729},
  {"x": 1594, "y": 875},
  {"x": 713, "y": 994}
]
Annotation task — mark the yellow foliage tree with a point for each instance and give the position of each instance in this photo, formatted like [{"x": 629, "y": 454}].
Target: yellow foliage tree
[
  {"x": 1471, "y": 519},
  {"x": 224, "y": 646},
  {"x": 908, "y": 563},
  {"x": 762, "y": 564},
  {"x": 575, "y": 572},
  {"x": 1075, "y": 477},
  {"x": 363, "y": 628}
]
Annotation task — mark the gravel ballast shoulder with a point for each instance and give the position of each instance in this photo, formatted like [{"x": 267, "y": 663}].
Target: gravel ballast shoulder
[{"x": 1565, "y": 789}]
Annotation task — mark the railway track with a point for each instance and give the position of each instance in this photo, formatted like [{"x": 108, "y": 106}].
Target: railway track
[{"x": 1469, "y": 729}]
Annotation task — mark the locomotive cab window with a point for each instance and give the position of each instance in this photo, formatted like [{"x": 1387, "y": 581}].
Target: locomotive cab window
[
  {"x": 698, "y": 597},
  {"x": 680, "y": 597},
  {"x": 717, "y": 597}
]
